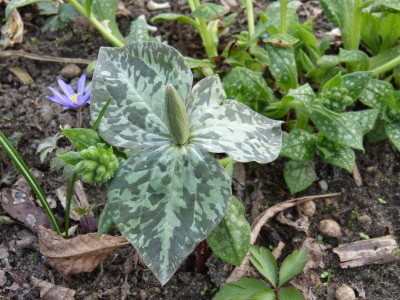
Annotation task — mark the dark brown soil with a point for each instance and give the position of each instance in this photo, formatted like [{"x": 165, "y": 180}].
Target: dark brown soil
[{"x": 26, "y": 109}]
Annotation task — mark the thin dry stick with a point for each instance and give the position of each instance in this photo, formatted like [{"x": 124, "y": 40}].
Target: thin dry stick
[
  {"x": 259, "y": 222},
  {"x": 357, "y": 176},
  {"x": 33, "y": 56}
]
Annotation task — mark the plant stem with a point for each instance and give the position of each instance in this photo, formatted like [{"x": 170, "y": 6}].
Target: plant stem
[
  {"x": 20, "y": 164},
  {"x": 353, "y": 40},
  {"x": 104, "y": 30},
  {"x": 387, "y": 66},
  {"x": 250, "y": 17},
  {"x": 79, "y": 121},
  {"x": 283, "y": 16},
  {"x": 69, "y": 201},
  {"x": 211, "y": 49}
]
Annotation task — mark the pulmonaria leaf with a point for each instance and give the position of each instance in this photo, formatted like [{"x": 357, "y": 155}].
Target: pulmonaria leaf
[
  {"x": 299, "y": 175},
  {"x": 377, "y": 94},
  {"x": 393, "y": 133},
  {"x": 335, "y": 154},
  {"x": 366, "y": 118},
  {"x": 165, "y": 200},
  {"x": 299, "y": 145}
]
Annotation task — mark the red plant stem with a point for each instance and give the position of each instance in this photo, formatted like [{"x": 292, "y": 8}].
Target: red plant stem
[{"x": 202, "y": 253}]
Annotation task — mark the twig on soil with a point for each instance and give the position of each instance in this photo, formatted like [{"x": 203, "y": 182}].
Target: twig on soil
[
  {"x": 33, "y": 56},
  {"x": 259, "y": 222},
  {"x": 357, "y": 176}
]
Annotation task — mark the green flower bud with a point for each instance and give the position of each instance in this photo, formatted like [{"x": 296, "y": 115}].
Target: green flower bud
[
  {"x": 80, "y": 166},
  {"x": 93, "y": 152},
  {"x": 85, "y": 154},
  {"x": 87, "y": 176},
  {"x": 176, "y": 116},
  {"x": 90, "y": 165},
  {"x": 101, "y": 170},
  {"x": 343, "y": 90},
  {"x": 337, "y": 96},
  {"x": 104, "y": 159}
]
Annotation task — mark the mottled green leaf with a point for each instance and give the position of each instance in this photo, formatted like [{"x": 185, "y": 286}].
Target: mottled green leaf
[
  {"x": 298, "y": 145},
  {"x": 209, "y": 11},
  {"x": 282, "y": 60},
  {"x": 395, "y": 4},
  {"x": 292, "y": 265},
  {"x": 366, "y": 118},
  {"x": 377, "y": 93},
  {"x": 199, "y": 63},
  {"x": 82, "y": 138},
  {"x": 328, "y": 61},
  {"x": 304, "y": 94},
  {"x": 393, "y": 133},
  {"x": 299, "y": 175},
  {"x": 389, "y": 30},
  {"x": 340, "y": 129},
  {"x": 139, "y": 31},
  {"x": 19, "y": 3},
  {"x": 106, "y": 222},
  {"x": 136, "y": 77},
  {"x": 335, "y": 154},
  {"x": 248, "y": 87},
  {"x": 231, "y": 127},
  {"x": 71, "y": 157},
  {"x": 175, "y": 17},
  {"x": 265, "y": 263},
  {"x": 165, "y": 200},
  {"x": 243, "y": 289},
  {"x": 356, "y": 82},
  {"x": 230, "y": 240},
  {"x": 290, "y": 293}
]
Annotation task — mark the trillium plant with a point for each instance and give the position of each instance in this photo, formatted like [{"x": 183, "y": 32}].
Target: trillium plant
[{"x": 171, "y": 193}]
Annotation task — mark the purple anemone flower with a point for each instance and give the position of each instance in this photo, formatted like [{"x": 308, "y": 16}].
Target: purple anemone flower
[{"x": 71, "y": 99}]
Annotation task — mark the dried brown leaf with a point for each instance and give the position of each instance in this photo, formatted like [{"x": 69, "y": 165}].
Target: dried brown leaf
[
  {"x": 121, "y": 10},
  {"x": 77, "y": 255},
  {"x": 13, "y": 31},
  {"x": 49, "y": 291}
]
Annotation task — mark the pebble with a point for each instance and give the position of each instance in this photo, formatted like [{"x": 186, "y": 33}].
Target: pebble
[
  {"x": 323, "y": 185},
  {"x": 143, "y": 295},
  {"x": 329, "y": 228},
  {"x": 71, "y": 71},
  {"x": 3, "y": 278},
  {"x": 364, "y": 219},
  {"x": 344, "y": 292},
  {"x": 370, "y": 169},
  {"x": 327, "y": 202},
  {"x": 307, "y": 208}
]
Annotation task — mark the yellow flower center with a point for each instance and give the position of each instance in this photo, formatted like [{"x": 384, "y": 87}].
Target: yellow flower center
[{"x": 74, "y": 98}]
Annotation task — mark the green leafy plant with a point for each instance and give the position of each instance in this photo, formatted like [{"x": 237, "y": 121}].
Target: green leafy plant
[
  {"x": 265, "y": 263},
  {"x": 59, "y": 15},
  {"x": 171, "y": 194}
]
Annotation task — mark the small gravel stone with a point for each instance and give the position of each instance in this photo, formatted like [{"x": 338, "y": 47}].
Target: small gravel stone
[
  {"x": 364, "y": 219},
  {"x": 143, "y": 295},
  {"x": 71, "y": 71},
  {"x": 344, "y": 292},
  {"x": 323, "y": 185},
  {"x": 3, "y": 278},
  {"x": 327, "y": 202},
  {"x": 329, "y": 228},
  {"x": 307, "y": 208}
]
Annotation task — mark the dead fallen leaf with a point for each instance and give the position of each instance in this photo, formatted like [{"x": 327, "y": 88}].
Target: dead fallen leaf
[
  {"x": 301, "y": 224},
  {"x": 77, "y": 255},
  {"x": 19, "y": 203},
  {"x": 79, "y": 199},
  {"x": 22, "y": 75},
  {"x": 49, "y": 291},
  {"x": 316, "y": 254},
  {"x": 121, "y": 10},
  {"x": 13, "y": 31}
]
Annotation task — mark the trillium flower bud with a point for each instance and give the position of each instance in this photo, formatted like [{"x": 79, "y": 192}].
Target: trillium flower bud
[{"x": 177, "y": 119}]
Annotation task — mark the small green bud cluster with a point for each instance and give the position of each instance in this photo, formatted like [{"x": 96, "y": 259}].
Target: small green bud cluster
[
  {"x": 335, "y": 98},
  {"x": 98, "y": 165}
]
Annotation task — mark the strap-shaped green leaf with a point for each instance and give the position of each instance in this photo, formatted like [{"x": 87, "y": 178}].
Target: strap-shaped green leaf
[
  {"x": 230, "y": 240},
  {"x": 165, "y": 200},
  {"x": 136, "y": 77}
]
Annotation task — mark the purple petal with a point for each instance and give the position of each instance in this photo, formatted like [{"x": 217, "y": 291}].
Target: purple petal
[
  {"x": 81, "y": 84},
  {"x": 67, "y": 89},
  {"x": 87, "y": 94},
  {"x": 60, "y": 100}
]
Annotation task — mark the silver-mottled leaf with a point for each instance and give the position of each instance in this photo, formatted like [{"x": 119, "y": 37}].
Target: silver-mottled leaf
[
  {"x": 299, "y": 145},
  {"x": 299, "y": 175},
  {"x": 377, "y": 93},
  {"x": 136, "y": 77},
  {"x": 304, "y": 94},
  {"x": 165, "y": 200},
  {"x": 366, "y": 118},
  {"x": 393, "y": 133}
]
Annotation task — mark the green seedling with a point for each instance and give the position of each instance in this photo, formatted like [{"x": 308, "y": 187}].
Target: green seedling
[
  {"x": 382, "y": 201},
  {"x": 363, "y": 235}
]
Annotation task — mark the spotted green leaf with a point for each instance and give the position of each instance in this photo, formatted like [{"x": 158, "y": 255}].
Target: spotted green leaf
[
  {"x": 248, "y": 87},
  {"x": 165, "y": 200},
  {"x": 338, "y": 128},
  {"x": 290, "y": 293},
  {"x": 282, "y": 60},
  {"x": 395, "y": 4},
  {"x": 304, "y": 94},
  {"x": 209, "y": 11},
  {"x": 366, "y": 118},
  {"x": 265, "y": 263},
  {"x": 356, "y": 83},
  {"x": 230, "y": 240},
  {"x": 139, "y": 31},
  {"x": 335, "y": 154},
  {"x": 227, "y": 126},
  {"x": 299, "y": 175},
  {"x": 244, "y": 289},
  {"x": 393, "y": 133},
  {"x": 298, "y": 145},
  {"x": 328, "y": 61},
  {"x": 377, "y": 93},
  {"x": 292, "y": 265},
  {"x": 136, "y": 77}
]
